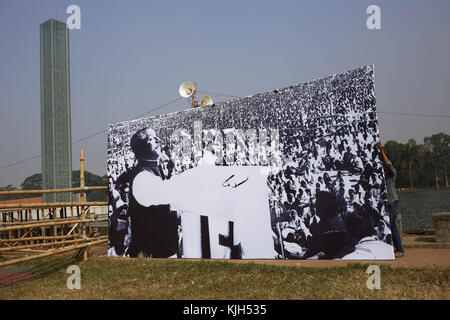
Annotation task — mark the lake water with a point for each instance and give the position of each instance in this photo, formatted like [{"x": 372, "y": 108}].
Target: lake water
[{"x": 418, "y": 207}]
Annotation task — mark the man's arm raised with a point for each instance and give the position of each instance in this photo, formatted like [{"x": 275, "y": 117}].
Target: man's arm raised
[{"x": 150, "y": 190}]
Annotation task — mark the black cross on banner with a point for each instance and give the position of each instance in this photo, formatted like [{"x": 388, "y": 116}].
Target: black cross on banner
[{"x": 226, "y": 241}]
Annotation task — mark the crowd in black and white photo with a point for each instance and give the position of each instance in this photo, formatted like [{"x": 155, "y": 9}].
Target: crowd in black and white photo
[
  {"x": 330, "y": 194},
  {"x": 327, "y": 198}
]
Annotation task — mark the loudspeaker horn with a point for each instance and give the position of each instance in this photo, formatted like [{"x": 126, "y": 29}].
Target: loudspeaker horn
[
  {"x": 186, "y": 89},
  {"x": 206, "y": 101}
]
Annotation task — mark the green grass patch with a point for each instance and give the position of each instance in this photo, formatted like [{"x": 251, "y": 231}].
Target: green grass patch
[{"x": 118, "y": 278}]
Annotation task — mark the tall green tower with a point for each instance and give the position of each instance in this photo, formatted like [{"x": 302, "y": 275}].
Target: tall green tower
[{"x": 56, "y": 141}]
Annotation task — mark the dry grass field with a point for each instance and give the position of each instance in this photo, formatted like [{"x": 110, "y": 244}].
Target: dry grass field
[{"x": 103, "y": 277}]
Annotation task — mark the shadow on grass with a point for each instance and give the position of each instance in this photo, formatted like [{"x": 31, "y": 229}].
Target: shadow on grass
[{"x": 39, "y": 268}]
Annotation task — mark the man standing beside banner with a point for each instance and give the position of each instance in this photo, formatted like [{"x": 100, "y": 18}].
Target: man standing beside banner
[{"x": 390, "y": 176}]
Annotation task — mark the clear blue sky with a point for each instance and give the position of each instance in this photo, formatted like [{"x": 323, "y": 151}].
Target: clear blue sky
[{"x": 131, "y": 56}]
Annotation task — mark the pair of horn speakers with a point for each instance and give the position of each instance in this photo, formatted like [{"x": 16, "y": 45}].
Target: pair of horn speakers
[{"x": 187, "y": 90}]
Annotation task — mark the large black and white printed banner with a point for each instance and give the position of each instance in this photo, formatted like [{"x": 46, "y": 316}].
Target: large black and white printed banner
[{"x": 292, "y": 173}]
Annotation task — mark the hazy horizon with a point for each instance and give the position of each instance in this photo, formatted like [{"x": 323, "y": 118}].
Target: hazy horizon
[{"x": 130, "y": 57}]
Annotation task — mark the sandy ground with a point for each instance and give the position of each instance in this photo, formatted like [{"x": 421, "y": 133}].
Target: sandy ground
[{"x": 414, "y": 257}]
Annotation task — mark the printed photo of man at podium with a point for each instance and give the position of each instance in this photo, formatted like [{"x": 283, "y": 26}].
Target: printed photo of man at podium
[{"x": 203, "y": 212}]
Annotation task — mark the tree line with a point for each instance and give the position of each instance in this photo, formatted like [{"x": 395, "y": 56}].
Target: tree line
[
  {"x": 34, "y": 182},
  {"x": 421, "y": 165}
]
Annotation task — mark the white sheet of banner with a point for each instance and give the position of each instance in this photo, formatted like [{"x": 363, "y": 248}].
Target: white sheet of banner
[{"x": 201, "y": 191}]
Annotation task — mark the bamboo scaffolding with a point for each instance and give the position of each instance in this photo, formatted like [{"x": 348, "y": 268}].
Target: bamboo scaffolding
[
  {"x": 52, "y": 252},
  {"x": 76, "y": 190},
  {"x": 39, "y": 238},
  {"x": 53, "y": 223},
  {"x": 20, "y": 232},
  {"x": 8, "y": 224},
  {"x": 71, "y": 230},
  {"x": 25, "y": 234},
  {"x": 82, "y": 199},
  {"x": 25, "y": 250},
  {"x": 37, "y": 221},
  {"x": 57, "y": 243},
  {"x": 43, "y": 218},
  {"x": 51, "y": 205}
]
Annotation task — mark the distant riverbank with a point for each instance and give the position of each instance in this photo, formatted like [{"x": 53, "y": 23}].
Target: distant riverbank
[
  {"x": 418, "y": 206},
  {"x": 421, "y": 189}
]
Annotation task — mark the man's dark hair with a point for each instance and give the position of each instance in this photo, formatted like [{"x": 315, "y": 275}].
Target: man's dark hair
[
  {"x": 360, "y": 225},
  {"x": 326, "y": 204},
  {"x": 140, "y": 144}
]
